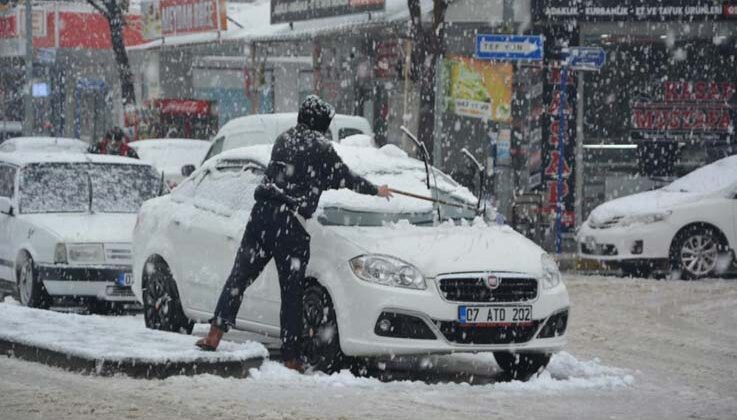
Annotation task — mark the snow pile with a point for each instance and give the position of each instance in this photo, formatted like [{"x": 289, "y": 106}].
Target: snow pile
[
  {"x": 564, "y": 373},
  {"x": 358, "y": 140},
  {"x": 111, "y": 338}
]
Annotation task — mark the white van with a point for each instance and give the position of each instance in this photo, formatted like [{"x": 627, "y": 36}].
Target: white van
[{"x": 264, "y": 129}]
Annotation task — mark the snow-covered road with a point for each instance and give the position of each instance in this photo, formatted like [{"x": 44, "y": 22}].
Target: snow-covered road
[{"x": 638, "y": 349}]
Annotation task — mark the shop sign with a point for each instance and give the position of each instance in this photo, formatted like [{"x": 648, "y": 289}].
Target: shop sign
[
  {"x": 174, "y": 17},
  {"x": 182, "y": 106},
  {"x": 689, "y": 106},
  {"x": 643, "y": 10},
  {"x": 296, "y": 10},
  {"x": 479, "y": 89}
]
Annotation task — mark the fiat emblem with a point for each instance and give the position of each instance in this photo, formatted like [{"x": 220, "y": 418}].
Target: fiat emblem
[{"x": 492, "y": 282}]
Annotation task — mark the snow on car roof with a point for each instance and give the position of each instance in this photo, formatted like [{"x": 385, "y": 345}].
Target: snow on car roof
[
  {"x": 386, "y": 165},
  {"x": 23, "y": 158},
  {"x": 43, "y": 143},
  {"x": 169, "y": 155}
]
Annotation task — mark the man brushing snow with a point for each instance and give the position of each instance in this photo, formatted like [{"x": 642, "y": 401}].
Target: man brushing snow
[{"x": 303, "y": 165}]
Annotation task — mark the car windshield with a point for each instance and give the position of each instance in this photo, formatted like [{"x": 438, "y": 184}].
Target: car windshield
[
  {"x": 65, "y": 187},
  {"x": 711, "y": 178}
]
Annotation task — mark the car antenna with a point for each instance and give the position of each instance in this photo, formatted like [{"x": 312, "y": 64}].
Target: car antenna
[{"x": 426, "y": 159}]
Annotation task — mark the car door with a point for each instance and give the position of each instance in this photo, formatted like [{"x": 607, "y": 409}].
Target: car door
[
  {"x": 7, "y": 222},
  {"x": 223, "y": 201}
]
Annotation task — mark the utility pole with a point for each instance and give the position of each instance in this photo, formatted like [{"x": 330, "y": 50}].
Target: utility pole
[{"x": 28, "y": 98}]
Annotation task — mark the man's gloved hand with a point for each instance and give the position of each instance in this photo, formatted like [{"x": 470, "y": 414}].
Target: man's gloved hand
[{"x": 385, "y": 192}]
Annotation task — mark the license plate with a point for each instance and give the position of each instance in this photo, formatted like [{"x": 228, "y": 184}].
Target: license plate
[
  {"x": 125, "y": 279},
  {"x": 495, "y": 314}
]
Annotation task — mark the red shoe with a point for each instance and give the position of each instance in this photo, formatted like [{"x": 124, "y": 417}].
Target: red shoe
[
  {"x": 212, "y": 340},
  {"x": 295, "y": 364}
]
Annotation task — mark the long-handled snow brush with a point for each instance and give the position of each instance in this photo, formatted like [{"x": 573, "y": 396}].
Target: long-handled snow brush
[{"x": 433, "y": 200}]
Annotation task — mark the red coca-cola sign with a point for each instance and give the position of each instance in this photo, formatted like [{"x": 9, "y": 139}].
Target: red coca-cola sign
[{"x": 183, "y": 106}]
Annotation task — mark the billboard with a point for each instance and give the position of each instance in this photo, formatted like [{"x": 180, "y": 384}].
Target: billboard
[
  {"x": 178, "y": 17},
  {"x": 642, "y": 10},
  {"x": 479, "y": 88},
  {"x": 295, "y": 10}
]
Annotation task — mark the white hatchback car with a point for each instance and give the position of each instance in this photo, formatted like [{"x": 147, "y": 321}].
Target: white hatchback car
[
  {"x": 688, "y": 226},
  {"x": 66, "y": 221},
  {"x": 384, "y": 278}
]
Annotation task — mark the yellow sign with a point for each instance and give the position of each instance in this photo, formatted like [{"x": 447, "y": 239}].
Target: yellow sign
[{"x": 480, "y": 89}]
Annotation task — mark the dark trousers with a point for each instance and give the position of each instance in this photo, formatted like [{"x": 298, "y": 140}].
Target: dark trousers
[{"x": 273, "y": 231}]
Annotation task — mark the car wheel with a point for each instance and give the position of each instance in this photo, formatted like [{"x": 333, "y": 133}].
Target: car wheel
[
  {"x": 162, "y": 308},
  {"x": 31, "y": 291},
  {"x": 695, "y": 252},
  {"x": 320, "y": 340},
  {"x": 521, "y": 366}
]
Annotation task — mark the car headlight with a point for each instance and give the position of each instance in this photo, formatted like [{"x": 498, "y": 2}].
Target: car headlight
[
  {"x": 86, "y": 253},
  {"x": 644, "y": 219},
  {"x": 388, "y": 271},
  {"x": 551, "y": 274}
]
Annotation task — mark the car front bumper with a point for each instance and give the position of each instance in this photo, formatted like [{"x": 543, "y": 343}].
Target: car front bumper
[
  {"x": 101, "y": 282},
  {"x": 364, "y": 304},
  {"x": 631, "y": 243}
]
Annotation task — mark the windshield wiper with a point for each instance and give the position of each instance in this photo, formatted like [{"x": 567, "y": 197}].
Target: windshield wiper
[
  {"x": 89, "y": 184},
  {"x": 426, "y": 159}
]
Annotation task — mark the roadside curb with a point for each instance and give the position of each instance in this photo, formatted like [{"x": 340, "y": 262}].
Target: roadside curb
[{"x": 134, "y": 368}]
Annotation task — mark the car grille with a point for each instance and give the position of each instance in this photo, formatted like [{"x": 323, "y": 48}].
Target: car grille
[
  {"x": 118, "y": 253},
  {"x": 473, "y": 288},
  {"x": 456, "y": 332},
  {"x": 599, "y": 249}
]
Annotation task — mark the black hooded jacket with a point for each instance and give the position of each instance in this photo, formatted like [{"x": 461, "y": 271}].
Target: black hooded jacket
[{"x": 304, "y": 164}]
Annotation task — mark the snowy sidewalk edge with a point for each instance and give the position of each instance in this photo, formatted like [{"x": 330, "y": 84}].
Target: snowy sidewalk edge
[{"x": 131, "y": 367}]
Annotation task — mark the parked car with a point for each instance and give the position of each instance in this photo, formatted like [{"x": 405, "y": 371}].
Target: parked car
[
  {"x": 174, "y": 157},
  {"x": 66, "y": 221},
  {"x": 383, "y": 279},
  {"x": 43, "y": 144},
  {"x": 264, "y": 128},
  {"x": 10, "y": 129},
  {"x": 689, "y": 226}
]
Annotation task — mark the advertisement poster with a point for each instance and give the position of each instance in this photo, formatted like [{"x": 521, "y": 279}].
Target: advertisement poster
[
  {"x": 295, "y": 10},
  {"x": 479, "y": 89},
  {"x": 175, "y": 17}
]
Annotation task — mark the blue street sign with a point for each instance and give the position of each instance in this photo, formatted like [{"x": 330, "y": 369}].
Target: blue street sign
[
  {"x": 509, "y": 47},
  {"x": 584, "y": 58}
]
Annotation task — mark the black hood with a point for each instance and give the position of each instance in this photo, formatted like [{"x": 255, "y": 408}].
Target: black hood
[{"x": 316, "y": 113}]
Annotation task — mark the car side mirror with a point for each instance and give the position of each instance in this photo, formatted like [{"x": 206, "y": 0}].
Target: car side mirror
[
  {"x": 6, "y": 206},
  {"x": 187, "y": 170}
]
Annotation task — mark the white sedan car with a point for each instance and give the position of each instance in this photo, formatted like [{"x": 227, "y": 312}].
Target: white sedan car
[
  {"x": 43, "y": 144},
  {"x": 384, "y": 278},
  {"x": 66, "y": 221},
  {"x": 688, "y": 226},
  {"x": 176, "y": 158}
]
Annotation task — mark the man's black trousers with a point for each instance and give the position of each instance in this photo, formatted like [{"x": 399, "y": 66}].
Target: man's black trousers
[{"x": 273, "y": 231}]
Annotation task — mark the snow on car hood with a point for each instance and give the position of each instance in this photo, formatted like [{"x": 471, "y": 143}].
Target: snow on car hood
[
  {"x": 85, "y": 227},
  {"x": 448, "y": 248},
  {"x": 642, "y": 203}
]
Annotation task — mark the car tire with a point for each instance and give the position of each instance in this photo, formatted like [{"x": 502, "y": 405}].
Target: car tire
[
  {"x": 31, "y": 291},
  {"x": 320, "y": 339},
  {"x": 695, "y": 252},
  {"x": 521, "y": 366},
  {"x": 162, "y": 308}
]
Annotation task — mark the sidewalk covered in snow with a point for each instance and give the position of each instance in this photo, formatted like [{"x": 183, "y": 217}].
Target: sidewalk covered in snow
[{"x": 116, "y": 345}]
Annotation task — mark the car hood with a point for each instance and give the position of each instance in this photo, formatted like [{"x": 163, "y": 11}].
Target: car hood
[
  {"x": 642, "y": 203},
  {"x": 449, "y": 249},
  {"x": 85, "y": 227}
]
